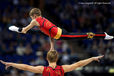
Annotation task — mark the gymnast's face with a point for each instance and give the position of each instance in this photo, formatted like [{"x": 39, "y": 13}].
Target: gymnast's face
[{"x": 34, "y": 16}]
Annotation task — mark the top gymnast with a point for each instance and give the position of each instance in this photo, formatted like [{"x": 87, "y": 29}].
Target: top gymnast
[{"x": 53, "y": 31}]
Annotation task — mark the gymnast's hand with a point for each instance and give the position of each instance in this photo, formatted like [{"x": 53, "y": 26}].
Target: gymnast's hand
[
  {"x": 7, "y": 64},
  {"x": 97, "y": 58}
]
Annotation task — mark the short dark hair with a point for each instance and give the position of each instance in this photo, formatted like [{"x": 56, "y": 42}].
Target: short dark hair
[
  {"x": 52, "y": 56},
  {"x": 35, "y": 11}
]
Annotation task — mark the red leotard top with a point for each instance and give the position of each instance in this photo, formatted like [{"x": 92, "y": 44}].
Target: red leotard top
[
  {"x": 49, "y": 71},
  {"x": 49, "y": 28}
]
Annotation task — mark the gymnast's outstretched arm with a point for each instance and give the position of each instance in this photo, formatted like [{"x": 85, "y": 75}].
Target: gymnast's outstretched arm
[
  {"x": 51, "y": 44},
  {"x": 24, "y": 29},
  {"x": 68, "y": 68},
  {"x": 34, "y": 69}
]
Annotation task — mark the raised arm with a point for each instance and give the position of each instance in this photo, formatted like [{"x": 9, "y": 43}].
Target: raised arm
[
  {"x": 68, "y": 68},
  {"x": 34, "y": 69},
  {"x": 24, "y": 29},
  {"x": 52, "y": 44},
  {"x": 31, "y": 25}
]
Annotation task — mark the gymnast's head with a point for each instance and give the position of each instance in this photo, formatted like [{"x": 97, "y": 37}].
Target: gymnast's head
[
  {"x": 52, "y": 56},
  {"x": 34, "y": 13}
]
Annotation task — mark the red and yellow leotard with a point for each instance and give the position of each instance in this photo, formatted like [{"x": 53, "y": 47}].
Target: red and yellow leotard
[
  {"x": 49, "y": 28},
  {"x": 57, "y": 33}
]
